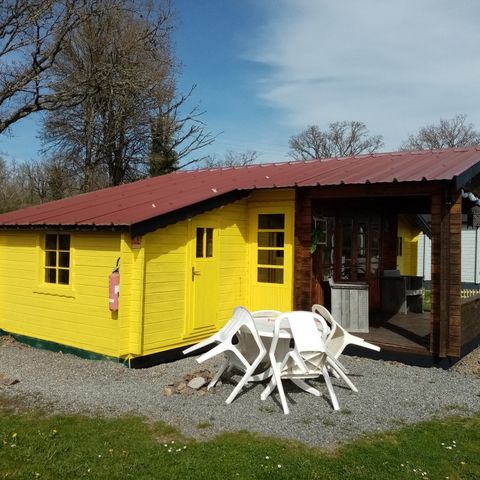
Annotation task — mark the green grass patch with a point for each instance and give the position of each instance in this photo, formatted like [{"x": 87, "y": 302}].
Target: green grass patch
[{"x": 35, "y": 446}]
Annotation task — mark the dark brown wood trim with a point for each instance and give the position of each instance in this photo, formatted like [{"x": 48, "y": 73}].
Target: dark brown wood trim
[
  {"x": 302, "y": 299},
  {"x": 400, "y": 189},
  {"x": 445, "y": 339}
]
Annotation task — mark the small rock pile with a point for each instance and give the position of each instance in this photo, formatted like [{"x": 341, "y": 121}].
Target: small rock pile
[
  {"x": 6, "y": 340},
  {"x": 470, "y": 364},
  {"x": 190, "y": 383}
]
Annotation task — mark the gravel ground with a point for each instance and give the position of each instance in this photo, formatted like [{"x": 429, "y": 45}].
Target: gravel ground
[{"x": 390, "y": 395}]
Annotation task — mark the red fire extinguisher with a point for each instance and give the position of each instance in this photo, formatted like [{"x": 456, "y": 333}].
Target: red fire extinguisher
[{"x": 114, "y": 288}]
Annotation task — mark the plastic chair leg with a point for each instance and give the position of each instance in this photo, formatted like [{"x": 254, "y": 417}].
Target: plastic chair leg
[
  {"x": 213, "y": 352},
  {"x": 260, "y": 377},
  {"x": 341, "y": 366},
  {"x": 362, "y": 343},
  {"x": 248, "y": 373},
  {"x": 305, "y": 386},
  {"x": 239, "y": 386},
  {"x": 198, "y": 346},
  {"x": 276, "y": 381},
  {"x": 269, "y": 388},
  {"x": 283, "y": 398},
  {"x": 328, "y": 383},
  {"x": 215, "y": 379},
  {"x": 342, "y": 375}
]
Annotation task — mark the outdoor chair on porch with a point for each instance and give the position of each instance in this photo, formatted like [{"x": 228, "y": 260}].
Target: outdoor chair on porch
[
  {"x": 339, "y": 338},
  {"x": 242, "y": 346},
  {"x": 307, "y": 360}
]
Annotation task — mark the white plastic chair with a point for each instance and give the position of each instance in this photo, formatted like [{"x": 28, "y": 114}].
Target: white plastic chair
[
  {"x": 339, "y": 338},
  {"x": 235, "y": 357},
  {"x": 266, "y": 313},
  {"x": 308, "y": 359}
]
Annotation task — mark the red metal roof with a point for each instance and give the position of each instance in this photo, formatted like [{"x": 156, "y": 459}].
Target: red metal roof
[{"x": 129, "y": 204}]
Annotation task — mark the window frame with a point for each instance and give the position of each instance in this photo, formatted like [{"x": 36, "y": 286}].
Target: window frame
[
  {"x": 270, "y": 267},
  {"x": 57, "y": 268}
]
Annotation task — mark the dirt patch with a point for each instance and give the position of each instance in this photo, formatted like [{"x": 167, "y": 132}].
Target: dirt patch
[
  {"x": 7, "y": 340},
  {"x": 10, "y": 405},
  {"x": 470, "y": 364}
]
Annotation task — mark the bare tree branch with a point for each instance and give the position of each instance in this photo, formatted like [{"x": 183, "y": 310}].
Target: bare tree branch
[
  {"x": 448, "y": 133},
  {"x": 175, "y": 136},
  {"x": 340, "y": 140},
  {"x": 122, "y": 63},
  {"x": 232, "y": 159},
  {"x": 32, "y": 34}
]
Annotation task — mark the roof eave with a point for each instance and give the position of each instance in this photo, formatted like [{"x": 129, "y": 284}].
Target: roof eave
[
  {"x": 152, "y": 224},
  {"x": 465, "y": 177}
]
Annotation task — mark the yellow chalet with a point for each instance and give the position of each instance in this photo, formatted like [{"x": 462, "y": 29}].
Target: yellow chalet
[{"x": 139, "y": 271}]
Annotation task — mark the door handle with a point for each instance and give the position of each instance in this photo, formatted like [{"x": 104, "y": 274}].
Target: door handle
[{"x": 194, "y": 273}]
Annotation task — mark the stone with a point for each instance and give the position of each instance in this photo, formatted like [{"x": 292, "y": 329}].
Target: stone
[
  {"x": 181, "y": 386},
  {"x": 5, "y": 380},
  {"x": 168, "y": 391},
  {"x": 197, "y": 383}
]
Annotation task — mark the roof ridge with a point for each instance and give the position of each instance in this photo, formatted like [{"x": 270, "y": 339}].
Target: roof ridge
[{"x": 395, "y": 153}]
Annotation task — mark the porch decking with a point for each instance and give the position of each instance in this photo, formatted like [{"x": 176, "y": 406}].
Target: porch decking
[{"x": 408, "y": 333}]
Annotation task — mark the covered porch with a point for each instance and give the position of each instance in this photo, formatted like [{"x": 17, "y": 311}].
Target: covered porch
[
  {"x": 361, "y": 247},
  {"x": 404, "y": 333}
]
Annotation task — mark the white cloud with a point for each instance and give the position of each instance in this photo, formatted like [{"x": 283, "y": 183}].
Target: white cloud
[{"x": 394, "y": 65}]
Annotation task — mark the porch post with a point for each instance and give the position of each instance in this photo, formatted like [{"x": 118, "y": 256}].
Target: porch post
[
  {"x": 302, "y": 258},
  {"x": 445, "y": 339}
]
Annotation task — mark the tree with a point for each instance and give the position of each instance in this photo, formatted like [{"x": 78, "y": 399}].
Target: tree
[
  {"x": 32, "y": 34},
  {"x": 41, "y": 182},
  {"x": 448, "y": 133},
  {"x": 176, "y": 136},
  {"x": 131, "y": 121},
  {"x": 341, "y": 139},
  {"x": 120, "y": 59},
  {"x": 8, "y": 197},
  {"x": 232, "y": 159}
]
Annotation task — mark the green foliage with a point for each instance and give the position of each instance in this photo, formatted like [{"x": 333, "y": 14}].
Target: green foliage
[
  {"x": 163, "y": 157},
  {"x": 427, "y": 300},
  {"x": 32, "y": 446}
]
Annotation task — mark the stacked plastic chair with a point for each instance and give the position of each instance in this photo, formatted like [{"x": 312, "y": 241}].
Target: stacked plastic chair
[
  {"x": 308, "y": 359},
  {"x": 242, "y": 346}
]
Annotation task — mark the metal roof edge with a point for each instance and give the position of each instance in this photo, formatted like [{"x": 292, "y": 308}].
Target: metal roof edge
[
  {"x": 161, "y": 221},
  {"x": 64, "y": 227},
  {"x": 462, "y": 179}
]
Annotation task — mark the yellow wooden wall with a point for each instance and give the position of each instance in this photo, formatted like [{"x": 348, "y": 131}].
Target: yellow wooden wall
[
  {"x": 154, "y": 282},
  {"x": 167, "y": 274},
  {"x": 76, "y": 315},
  {"x": 407, "y": 262}
]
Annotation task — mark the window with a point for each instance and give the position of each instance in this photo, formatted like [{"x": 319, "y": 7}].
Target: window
[
  {"x": 204, "y": 242},
  {"x": 271, "y": 248},
  {"x": 57, "y": 258}
]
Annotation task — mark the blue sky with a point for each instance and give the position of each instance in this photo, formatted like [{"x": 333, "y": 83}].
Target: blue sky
[{"x": 266, "y": 69}]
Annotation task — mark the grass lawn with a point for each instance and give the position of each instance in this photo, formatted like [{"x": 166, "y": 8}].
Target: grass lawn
[{"x": 61, "y": 447}]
